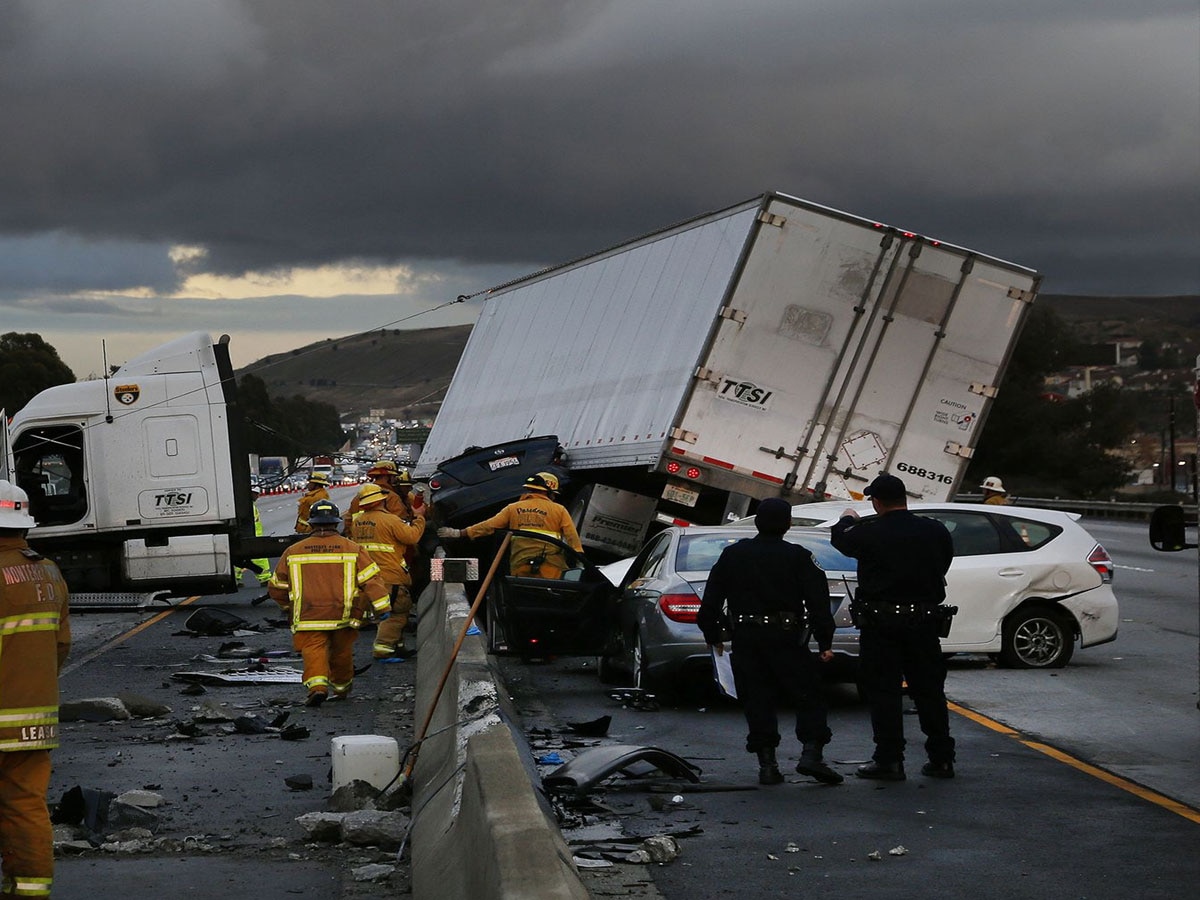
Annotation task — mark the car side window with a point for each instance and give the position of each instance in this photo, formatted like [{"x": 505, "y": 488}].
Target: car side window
[
  {"x": 973, "y": 534},
  {"x": 1026, "y": 533}
]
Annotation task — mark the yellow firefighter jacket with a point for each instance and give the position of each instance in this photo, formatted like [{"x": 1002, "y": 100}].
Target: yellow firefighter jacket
[
  {"x": 386, "y": 538},
  {"x": 537, "y": 513},
  {"x": 35, "y": 637},
  {"x": 306, "y": 502},
  {"x": 327, "y": 582}
]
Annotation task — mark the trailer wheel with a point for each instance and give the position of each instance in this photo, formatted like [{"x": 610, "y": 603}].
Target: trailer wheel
[{"x": 1037, "y": 637}]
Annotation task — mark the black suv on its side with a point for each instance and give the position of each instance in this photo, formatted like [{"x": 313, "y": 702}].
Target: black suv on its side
[{"x": 480, "y": 482}]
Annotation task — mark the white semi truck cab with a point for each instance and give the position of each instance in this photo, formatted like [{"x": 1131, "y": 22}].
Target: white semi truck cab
[{"x": 139, "y": 482}]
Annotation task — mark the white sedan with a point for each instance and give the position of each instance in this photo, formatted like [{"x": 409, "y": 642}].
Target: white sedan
[{"x": 1028, "y": 583}]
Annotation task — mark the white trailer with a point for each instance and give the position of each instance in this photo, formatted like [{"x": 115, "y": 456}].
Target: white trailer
[{"x": 776, "y": 347}]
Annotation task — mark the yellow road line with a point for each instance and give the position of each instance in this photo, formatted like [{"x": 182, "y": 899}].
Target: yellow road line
[
  {"x": 1180, "y": 809},
  {"x": 121, "y": 638}
]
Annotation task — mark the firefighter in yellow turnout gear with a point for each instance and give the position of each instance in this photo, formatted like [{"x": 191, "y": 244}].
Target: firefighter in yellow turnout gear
[
  {"x": 535, "y": 511},
  {"x": 387, "y": 538},
  {"x": 35, "y": 636},
  {"x": 318, "y": 485},
  {"x": 326, "y": 583},
  {"x": 383, "y": 475}
]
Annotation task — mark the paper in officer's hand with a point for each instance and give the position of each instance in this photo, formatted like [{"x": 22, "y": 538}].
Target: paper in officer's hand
[{"x": 723, "y": 672}]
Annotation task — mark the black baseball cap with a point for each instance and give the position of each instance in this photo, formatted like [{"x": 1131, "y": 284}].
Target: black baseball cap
[{"x": 887, "y": 488}]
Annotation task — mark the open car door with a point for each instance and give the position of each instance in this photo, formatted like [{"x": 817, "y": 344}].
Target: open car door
[{"x": 537, "y": 616}]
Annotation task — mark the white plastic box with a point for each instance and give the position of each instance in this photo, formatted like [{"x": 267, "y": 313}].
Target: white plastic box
[{"x": 372, "y": 758}]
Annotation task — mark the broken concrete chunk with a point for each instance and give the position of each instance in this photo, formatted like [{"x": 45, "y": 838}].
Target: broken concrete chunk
[
  {"x": 661, "y": 847},
  {"x": 299, "y": 782},
  {"x": 369, "y": 827},
  {"x": 249, "y": 724},
  {"x": 63, "y": 833},
  {"x": 127, "y": 846},
  {"x": 131, "y": 834},
  {"x": 322, "y": 826},
  {"x": 355, "y": 795},
  {"x": 143, "y": 707},
  {"x": 372, "y": 872},
  {"x": 143, "y": 798},
  {"x": 211, "y": 713},
  {"x": 126, "y": 815},
  {"x": 93, "y": 709}
]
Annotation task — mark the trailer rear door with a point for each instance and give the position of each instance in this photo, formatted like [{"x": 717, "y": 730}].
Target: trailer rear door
[{"x": 848, "y": 348}]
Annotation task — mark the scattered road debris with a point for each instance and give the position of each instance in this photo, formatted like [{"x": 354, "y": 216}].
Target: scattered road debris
[{"x": 593, "y": 766}]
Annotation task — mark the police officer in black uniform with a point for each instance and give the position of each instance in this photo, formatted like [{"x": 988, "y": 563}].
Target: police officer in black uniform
[
  {"x": 768, "y": 594},
  {"x": 902, "y": 564}
]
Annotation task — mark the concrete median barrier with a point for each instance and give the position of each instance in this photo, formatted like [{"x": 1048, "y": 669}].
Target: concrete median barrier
[{"x": 480, "y": 828}]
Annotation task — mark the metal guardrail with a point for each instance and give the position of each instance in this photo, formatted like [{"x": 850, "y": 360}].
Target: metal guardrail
[{"x": 1106, "y": 509}]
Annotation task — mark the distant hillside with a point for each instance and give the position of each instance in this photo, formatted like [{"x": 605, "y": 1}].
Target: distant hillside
[
  {"x": 1173, "y": 320},
  {"x": 405, "y": 372}
]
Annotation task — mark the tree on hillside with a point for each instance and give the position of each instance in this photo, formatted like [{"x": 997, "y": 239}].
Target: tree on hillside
[
  {"x": 292, "y": 427},
  {"x": 28, "y": 365},
  {"x": 1042, "y": 447}
]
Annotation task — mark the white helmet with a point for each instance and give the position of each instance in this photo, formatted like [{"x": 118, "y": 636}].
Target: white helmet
[
  {"x": 14, "y": 507},
  {"x": 992, "y": 483}
]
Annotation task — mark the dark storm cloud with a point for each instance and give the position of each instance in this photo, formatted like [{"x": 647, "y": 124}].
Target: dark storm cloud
[{"x": 1060, "y": 134}]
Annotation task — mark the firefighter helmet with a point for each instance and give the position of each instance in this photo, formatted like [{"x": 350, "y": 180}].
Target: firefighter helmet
[
  {"x": 382, "y": 467},
  {"x": 14, "y": 507},
  {"x": 992, "y": 483},
  {"x": 324, "y": 512},
  {"x": 319, "y": 478},
  {"x": 371, "y": 493},
  {"x": 542, "y": 481}
]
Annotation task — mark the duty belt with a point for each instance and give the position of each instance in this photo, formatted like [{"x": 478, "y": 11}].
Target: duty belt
[{"x": 784, "y": 620}]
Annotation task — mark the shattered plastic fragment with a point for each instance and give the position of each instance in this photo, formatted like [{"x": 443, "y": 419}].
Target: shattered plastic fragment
[
  {"x": 898, "y": 851},
  {"x": 791, "y": 848},
  {"x": 875, "y": 855},
  {"x": 772, "y": 856}
]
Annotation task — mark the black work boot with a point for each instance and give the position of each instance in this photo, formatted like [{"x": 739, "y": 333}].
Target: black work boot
[
  {"x": 933, "y": 769},
  {"x": 768, "y": 767},
  {"x": 812, "y": 764},
  {"x": 882, "y": 771}
]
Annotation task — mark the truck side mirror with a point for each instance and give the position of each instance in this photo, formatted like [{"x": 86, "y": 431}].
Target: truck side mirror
[{"x": 1168, "y": 529}]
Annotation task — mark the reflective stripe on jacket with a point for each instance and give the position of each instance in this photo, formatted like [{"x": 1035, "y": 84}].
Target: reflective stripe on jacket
[
  {"x": 327, "y": 582},
  {"x": 35, "y": 637}
]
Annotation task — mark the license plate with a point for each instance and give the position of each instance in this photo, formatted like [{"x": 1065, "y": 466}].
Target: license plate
[
  {"x": 677, "y": 493},
  {"x": 503, "y": 463}
]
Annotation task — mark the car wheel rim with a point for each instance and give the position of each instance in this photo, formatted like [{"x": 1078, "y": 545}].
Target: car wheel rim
[{"x": 1038, "y": 642}]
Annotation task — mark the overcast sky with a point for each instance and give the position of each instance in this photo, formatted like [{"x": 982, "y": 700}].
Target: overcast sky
[{"x": 291, "y": 170}]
